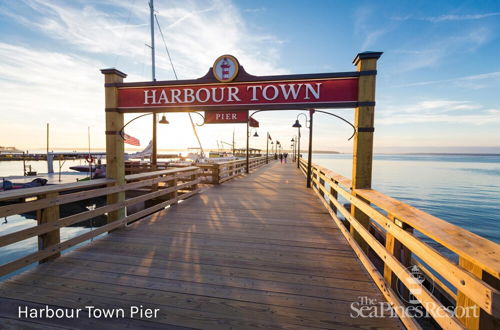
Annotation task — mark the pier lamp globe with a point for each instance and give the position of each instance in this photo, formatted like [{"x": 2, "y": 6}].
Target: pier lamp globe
[
  {"x": 297, "y": 124},
  {"x": 256, "y": 135},
  {"x": 164, "y": 120}
]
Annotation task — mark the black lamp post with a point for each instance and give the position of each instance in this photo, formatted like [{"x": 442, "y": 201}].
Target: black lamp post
[
  {"x": 267, "y": 147},
  {"x": 249, "y": 132},
  {"x": 163, "y": 120},
  {"x": 298, "y": 126},
  {"x": 292, "y": 146},
  {"x": 309, "y": 156}
]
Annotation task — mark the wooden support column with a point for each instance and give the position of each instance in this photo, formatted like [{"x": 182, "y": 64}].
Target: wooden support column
[
  {"x": 215, "y": 174},
  {"x": 115, "y": 151},
  {"x": 401, "y": 252},
  {"x": 470, "y": 314},
  {"x": 363, "y": 140},
  {"x": 46, "y": 215}
]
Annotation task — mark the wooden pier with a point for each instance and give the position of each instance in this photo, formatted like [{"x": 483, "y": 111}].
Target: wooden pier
[
  {"x": 244, "y": 254},
  {"x": 244, "y": 244}
]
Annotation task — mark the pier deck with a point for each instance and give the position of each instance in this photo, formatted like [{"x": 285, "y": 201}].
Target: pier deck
[{"x": 260, "y": 251}]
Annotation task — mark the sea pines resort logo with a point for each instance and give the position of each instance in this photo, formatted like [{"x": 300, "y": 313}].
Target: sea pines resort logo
[
  {"x": 90, "y": 312},
  {"x": 367, "y": 307}
]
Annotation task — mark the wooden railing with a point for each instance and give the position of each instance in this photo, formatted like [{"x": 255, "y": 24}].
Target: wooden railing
[
  {"x": 163, "y": 188},
  {"x": 396, "y": 245},
  {"x": 216, "y": 173},
  {"x": 134, "y": 167}
]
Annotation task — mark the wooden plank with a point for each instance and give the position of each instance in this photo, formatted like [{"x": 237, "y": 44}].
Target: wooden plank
[
  {"x": 177, "y": 170},
  {"x": 30, "y": 192},
  {"x": 379, "y": 280},
  {"x": 483, "y": 294},
  {"x": 196, "y": 316},
  {"x": 46, "y": 227},
  {"x": 464, "y": 243},
  {"x": 433, "y": 306},
  {"x": 47, "y": 217},
  {"x": 230, "y": 267}
]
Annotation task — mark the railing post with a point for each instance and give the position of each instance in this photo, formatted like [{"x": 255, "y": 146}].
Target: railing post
[
  {"x": 115, "y": 153},
  {"x": 468, "y": 313},
  {"x": 335, "y": 195},
  {"x": 173, "y": 183},
  {"x": 215, "y": 174},
  {"x": 192, "y": 178},
  {"x": 402, "y": 253},
  {"x": 363, "y": 139},
  {"x": 46, "y": 215}
]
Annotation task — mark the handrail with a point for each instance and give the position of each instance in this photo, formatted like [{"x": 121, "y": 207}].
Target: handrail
[
  {"x": 166, "y": 187},
  {"x": 29, "y": 192},
  {"x": 475, "y": 277},
  {"x": 144, "y": 175}
]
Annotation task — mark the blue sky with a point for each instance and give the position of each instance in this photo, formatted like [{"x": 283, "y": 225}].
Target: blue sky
[{"x": 438, "y": 87}]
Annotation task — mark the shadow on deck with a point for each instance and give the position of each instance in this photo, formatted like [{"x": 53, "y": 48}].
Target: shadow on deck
[{"x": 260, "y": 251}]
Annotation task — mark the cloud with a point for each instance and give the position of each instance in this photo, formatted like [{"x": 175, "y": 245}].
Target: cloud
[
  {"x": 466, "y": 81},
  {"x": 447, "y": 18},
  {"x": 439, "y": 111},
  {"x": 433, "y": 53},
  {"x": 196, "y": 33},
  {"x": 444, "y": 18},
  {"x": 59, "y": 82},
  {"x": 365, "y": 27}
]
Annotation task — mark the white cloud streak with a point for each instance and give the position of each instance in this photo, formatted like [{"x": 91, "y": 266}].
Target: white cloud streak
[
  {"x": 460, "y": 81},
  {"x": 439, "y": 111},
  {"x": 50, "y": 83}
]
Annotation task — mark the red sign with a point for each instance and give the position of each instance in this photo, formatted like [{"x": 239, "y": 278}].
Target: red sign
[
  {"x": 281, "y": 94},
  {"x": 226, "y": 117},
  {"x": 253, "y": 123}
]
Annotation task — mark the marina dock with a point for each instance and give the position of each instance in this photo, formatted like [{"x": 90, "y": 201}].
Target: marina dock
[
  {"x": 257, "y": 251},
  {"x": 237, "y": 255},
  {"x": 244, "y": 244}
]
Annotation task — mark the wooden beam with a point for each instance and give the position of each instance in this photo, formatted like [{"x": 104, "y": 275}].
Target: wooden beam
[
  {"x": 46, "y": 216},
  {"x": 363, "y": 139},
  {"x": 468, "y": 312},
  {"x": 115, "y": 153}
]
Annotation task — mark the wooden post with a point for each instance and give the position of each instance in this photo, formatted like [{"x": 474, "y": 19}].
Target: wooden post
[
  {"x": 115, "y": 160},
  {"x": 401, "y": 252},
  {"x": 470, "y": 314},
  {"x": 363, "y": 140},
  {"x": 215, "y": 174},
  {"x": 46, "y": 215},
  {"x": 248, "y": 142},
  {"x": 309, "y": 154},
  {"x": 173, "y": 183},
  {"x": 154, "y": 151}
]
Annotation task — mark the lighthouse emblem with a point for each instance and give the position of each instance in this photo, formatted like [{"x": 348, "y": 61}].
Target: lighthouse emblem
[{"x": 225, "y": 68}]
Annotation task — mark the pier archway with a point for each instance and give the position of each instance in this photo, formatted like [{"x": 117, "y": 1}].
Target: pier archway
[{"x": 228, "y": 87}]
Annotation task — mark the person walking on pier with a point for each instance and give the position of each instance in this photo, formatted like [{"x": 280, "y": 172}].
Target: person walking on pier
[
  {"x": 281, "y": 158},
  {"x": 285, "y": 156}
]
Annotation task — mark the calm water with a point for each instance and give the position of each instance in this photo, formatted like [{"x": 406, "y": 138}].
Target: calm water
[
  {"x": 463, "y": 190},
  {"x": 17, "y": 222}
]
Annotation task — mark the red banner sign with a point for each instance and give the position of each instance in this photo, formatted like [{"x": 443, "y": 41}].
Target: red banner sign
[
  {"x": 333, "y": 92},
  {"x": 226, "y": 117},
  {"x": 253, "y": 123}
]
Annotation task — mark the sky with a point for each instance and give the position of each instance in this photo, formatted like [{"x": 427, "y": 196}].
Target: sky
[{"x": 438, "y": 82}]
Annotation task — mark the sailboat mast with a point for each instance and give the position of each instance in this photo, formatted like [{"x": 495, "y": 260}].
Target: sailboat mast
[
  {"x": 152, "y": 17},
  {"x": 154, "y": 150}
]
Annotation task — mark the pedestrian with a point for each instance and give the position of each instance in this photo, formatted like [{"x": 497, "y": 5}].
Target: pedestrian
[
  {"x": 281, "y": 158},
  {"x": 285, "y": 156}
]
